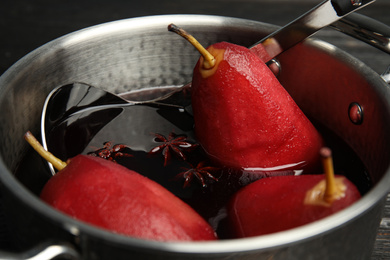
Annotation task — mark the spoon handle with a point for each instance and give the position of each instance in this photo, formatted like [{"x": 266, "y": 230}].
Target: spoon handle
[{"x": 324, "y": 14}]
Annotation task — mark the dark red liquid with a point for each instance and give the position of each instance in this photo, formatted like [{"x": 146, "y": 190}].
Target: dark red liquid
[{"x": 135, "y": 126}]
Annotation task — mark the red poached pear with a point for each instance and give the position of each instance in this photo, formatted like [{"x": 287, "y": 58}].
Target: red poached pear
[
  {"x": 283, "y": 202},
  {"x": 243, "y": 116},
  {"x": 110, "y": 196}
]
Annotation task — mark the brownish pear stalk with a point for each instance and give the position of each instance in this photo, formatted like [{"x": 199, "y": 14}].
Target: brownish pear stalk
[
  {"x": 329, "y": 189},
  {"x": 57, "y": 163}
]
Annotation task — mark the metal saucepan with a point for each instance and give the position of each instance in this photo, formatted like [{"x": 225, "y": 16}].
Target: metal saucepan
[{"x": 328, "y": 84}]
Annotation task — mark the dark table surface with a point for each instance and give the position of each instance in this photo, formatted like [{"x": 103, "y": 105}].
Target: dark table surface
[{"x": 26, "y": 25}]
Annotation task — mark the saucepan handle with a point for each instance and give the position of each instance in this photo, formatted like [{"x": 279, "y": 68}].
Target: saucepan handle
[
  {"x": 44, "y": 252},
  {"x": 367, "y": 30}
]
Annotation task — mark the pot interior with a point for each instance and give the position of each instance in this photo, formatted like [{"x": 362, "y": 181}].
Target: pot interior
[{"x": 139, "y": 53}]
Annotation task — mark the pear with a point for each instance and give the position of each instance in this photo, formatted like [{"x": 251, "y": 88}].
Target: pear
[
  {"x": 110, "y": 196},
  {"x": 283, "y": 202},
  {"x": 243, "y": 116}
]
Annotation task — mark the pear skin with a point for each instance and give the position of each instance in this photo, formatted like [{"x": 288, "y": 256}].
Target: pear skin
[
  {"x": 244, "y": 118},
  {"x": 110, "y": 196},
  {"x": 283, "y": 202}
]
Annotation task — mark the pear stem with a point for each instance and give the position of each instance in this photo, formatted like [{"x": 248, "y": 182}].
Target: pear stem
[
  {"x": 209, "y": 60},
  {"x": 327, "y": 162},
  {"x": 57, "y": 163}
]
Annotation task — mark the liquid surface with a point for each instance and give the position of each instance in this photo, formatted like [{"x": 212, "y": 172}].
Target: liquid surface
[{"x": 135, "y": 126}]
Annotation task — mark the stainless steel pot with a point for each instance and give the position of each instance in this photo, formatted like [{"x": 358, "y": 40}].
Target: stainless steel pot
[{"x": 137, "y": 53}]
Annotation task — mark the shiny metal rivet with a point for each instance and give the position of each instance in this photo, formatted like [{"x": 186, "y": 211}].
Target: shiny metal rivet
[
  {"x": 356, "y": 2},
  {"x": 275, "y": 66},
  {"x": 355, "y": 112}
]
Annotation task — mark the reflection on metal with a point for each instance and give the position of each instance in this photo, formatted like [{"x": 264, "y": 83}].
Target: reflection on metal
[
  {"x": 44, "y": 252},
  {"x": 365, "y": 29},
  {"x": 386, "y": 75},
  {"x": 355, "y": 113},
  {"x": 356, "y": 2}
]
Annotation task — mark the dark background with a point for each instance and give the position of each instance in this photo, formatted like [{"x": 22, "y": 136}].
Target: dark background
[{"x": 28, "y": 24}]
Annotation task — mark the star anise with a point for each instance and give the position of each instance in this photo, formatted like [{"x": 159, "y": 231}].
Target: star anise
[
  {"x": 176, "y": 144},
  {"x": 110, "y": 152},
  {"x": 200, "y": 172}
]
